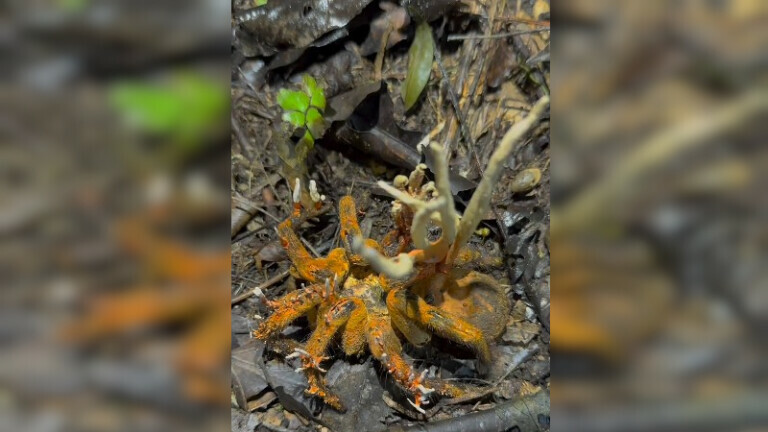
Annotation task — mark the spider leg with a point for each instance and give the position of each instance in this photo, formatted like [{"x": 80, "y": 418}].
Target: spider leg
[
  {"x": 314, "y": 270},
  {"x": 350, "y": 228},
  {"x": 386, "y": 347},
  {"x": 353, "y": 338},
  {"x": 470, "y": 254},
  {"x": 289, "y": 307},
  {"x": 440, "y": 322},
  {"x": 349, "y": 225},
  {"x": 313, "y": 354}
]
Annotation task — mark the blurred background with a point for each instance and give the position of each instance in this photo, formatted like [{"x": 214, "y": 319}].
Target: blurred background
[
  {"x": 114, "y": 261},
  {"x": 114, "y": 168},
  {"x": 658, "y": 236}
]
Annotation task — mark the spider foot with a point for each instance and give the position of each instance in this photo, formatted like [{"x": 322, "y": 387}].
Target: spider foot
[
  {"x": 317, "y": 389},
  {"x": 259, "y": 294},
  {"x": 308, "y": 361},
  {"x": 408, "y": 379},
  {"x": 331, "y": 286},
  {"x": 419, "y": 391}
]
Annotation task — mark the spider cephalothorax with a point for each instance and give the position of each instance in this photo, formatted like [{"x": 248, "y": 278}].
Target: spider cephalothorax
[{"x": 369, "y": 296}]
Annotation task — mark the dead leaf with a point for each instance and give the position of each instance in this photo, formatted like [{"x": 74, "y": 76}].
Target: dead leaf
[
  {"x": 501, "y": 63},
  {"x": 521, "y": 333},
  {"x": 289, "y": 386},
  {"x": 394, "y": 17},
  {"x": 248, "y": 378},
  {"x": 262, "y": 401},
  {"x": 286, "y": 24},
  {"x": 271, "y": 252}
]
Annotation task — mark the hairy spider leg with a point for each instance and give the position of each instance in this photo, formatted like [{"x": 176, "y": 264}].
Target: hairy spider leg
[
  {"x": 470, "y": 254},
  {"x": 386, "y": 347},
  {"x": 442, "y": 323},
  {"x": 329, "y": 324},
  {"x": 289, "y": 307},
  {"x": 350, "y": 228},
  {"x": 313, "y": 270}
]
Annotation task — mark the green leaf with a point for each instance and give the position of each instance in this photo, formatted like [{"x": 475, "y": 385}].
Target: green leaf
[
  {"x": 315, "y": 122},
  {"x": 260, "y": 3},
  {"x": 318, "y": 99},
  {"x": 304, "y": 145},
  {"x": 295, "y": 118},
  {"x": 420, "y": 57},
  {"x": 309, "y": 83},
  {"x": 293, "y": 100}
]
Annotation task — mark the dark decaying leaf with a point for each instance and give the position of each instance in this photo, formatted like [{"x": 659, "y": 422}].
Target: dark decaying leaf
[
  {"x": 391, "y": 23},
  {"x": 341, "y": 106},
  {"x": 284, "y": 24},
  {"x": 429, "y": 10},
  {"x": 506, "y": 359},
  {"x": 370, "y": 126},
  {"x": 248, "y": 378},
  {"x": 289, "y": 386},
  {"x": 361, "y": 392},
  {"x": 271, "y": 252},
  {"x": 500, "y": 63},
  {"x": 420, "y": 57}
]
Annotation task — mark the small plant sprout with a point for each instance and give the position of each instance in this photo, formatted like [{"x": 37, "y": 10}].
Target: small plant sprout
[{"x": 304, "y": 109}]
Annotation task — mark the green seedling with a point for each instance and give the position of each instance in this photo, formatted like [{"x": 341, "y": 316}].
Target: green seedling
[
  {"x": 304, "y": 109},
  {"x": 303, "y": 112}
]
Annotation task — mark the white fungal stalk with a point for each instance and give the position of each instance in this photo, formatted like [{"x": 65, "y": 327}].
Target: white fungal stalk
[
  {"x": 313, "y": 194},
  {"x": 396, "y": 268},
  {"x": 481, "y": 199},
  {"x": 440, "y": 211},
  {"x": 297, "y": 191}
]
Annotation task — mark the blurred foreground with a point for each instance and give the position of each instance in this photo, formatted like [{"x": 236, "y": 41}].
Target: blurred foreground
[
  {"x": 658, "y": 236},
  {"x": 115, "y": 258}
]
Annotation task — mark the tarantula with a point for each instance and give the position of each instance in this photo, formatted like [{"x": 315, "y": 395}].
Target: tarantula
[{"x": 369, "y": 297}]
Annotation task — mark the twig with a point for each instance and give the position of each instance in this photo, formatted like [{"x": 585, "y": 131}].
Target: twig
[
  {"x": 455, "y": 103},
  {"x": 379, "y": 63},
  {"x": 251, "y": 206},
  {"x": 275, "y": 279},
  {"x": 517, "y": 360},
  {"x": 523, "y": 413},
  {"x": 310, "y": 247},
  {"x": 495, "y": 36},
  {"x": 243, "y": 141}
]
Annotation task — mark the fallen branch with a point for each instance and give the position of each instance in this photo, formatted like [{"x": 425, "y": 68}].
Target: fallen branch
[
  {"x": 530, "y": 413},
  {"x": 275, "y": 279}
]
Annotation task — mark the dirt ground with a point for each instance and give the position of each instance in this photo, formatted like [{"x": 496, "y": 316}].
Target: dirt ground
[{"x": 492, "y": 63}]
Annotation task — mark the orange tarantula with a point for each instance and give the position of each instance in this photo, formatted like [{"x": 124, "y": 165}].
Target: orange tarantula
[{"x": 367, "y": 296}]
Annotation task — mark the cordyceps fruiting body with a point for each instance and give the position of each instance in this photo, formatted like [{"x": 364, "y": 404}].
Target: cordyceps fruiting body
[{"x": 409, "y": 285}]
